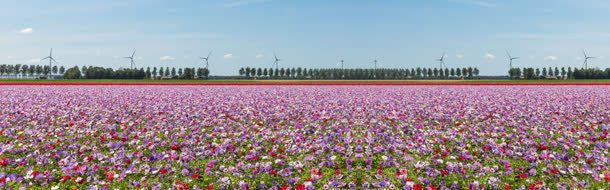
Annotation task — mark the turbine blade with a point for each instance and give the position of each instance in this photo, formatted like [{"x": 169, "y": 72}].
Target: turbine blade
[
  {"x": 209, "y": 55},
  {"x": 51, "y": 52},
  {"x": 44, "y": 58},
  {"x": 585, "y": 54},
  {"x": 134, "y": 53},
  {"x": 53, "y": 60}
]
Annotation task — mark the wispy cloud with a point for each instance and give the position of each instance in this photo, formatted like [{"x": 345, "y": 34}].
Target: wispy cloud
[
  {"x": 167, "y": 58},
  {"x": 489, "y": 56},
  {"x": 550, "y": 58},
  {"x": 239, "y": 3},
  {"x": 26, "y": 31},
  {"x": 260, "y": 56},
  {"x": 459, "y": 56},
  {"x": 33, "y": 61},
  {"x": 228, "y": 56},
  {"x": 480, "y": 3}
]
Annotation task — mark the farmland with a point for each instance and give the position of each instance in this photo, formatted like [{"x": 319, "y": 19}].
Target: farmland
[{"x": 304, "y": 137}]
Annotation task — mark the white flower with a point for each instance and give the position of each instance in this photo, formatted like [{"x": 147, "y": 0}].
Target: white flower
[
  {"x": 55, "y": 187},
  {"x": 384, "y": 157},
  {"x": 333, "y": 157}
]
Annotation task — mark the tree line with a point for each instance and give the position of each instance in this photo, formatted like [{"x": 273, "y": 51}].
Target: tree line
[
  {"x": 29, "y": 71},
  {"x": 359, "y": 74},
  {"x": 141, "y": 73},
  {"x": 91, "y": 72},
  {"x": 557, "y": 73}
]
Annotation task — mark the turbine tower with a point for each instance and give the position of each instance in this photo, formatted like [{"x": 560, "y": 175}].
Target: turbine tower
[
  {"x": 511, "y": 58},
  {"x": 207, "y": 60},
  {"x": 442, "y": 60},
  {"x": 276, "y": 61},
  {"x": 586, "y": 59},
  {"x": 51, "y": 60},
  {"x": 342, "y": 61},
  {"x": 133, "y": 63}
]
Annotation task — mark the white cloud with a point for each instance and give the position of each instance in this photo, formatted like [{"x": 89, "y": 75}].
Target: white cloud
[
  {"x": 578, "y": 58},
  {"x": 550, "y": 58},
  {"x": 532, "y": 57},
  {"x": 26, "y": 31},
  {"x": 33, "y": 61},
  {"x": 9, "y": 57},
  {"x": 115, "y": 57},
  {"x": 601, "y": 57},
  {"x": 260, "y": 55},
  {"x": 228, "y": 56},
  {"x": 489, "y": 56},
  {"x": 140, "y": 58},
  {"x": 459, "y": 56},
  {"x": 167, "y": 58},
  {"x": 186, "y": 57}
]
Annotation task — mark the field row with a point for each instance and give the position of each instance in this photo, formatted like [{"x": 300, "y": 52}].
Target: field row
[{"x": 305, "y": 137}]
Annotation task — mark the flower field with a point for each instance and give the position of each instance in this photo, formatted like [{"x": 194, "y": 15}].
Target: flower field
[{"x": 305, "y": 137}]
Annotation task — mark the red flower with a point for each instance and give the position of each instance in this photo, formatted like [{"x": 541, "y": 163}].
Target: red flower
[
  {"x": 300, "y": 187},
  {"x": 417, "y": 187},
  {"x": 523, "y": 176},
  {"x": 457, "y": 123},
  {"x": 607, "y": 176},
  {"x": 163, "y": 171},
  {"x": 506, "y": 186},
  {"x": 3, "y": 180},
  {"x": 195, "y": 176},
  {"x": 542, "y": 147},
  {"x": 4, "y": 161},
  {"x": 65, "y": 178},
  {"x": 35, "y": 173},
  {"x": 431, "y": 187},
  {"x": 210, "y": 186},
  {"x": 554, "y": 171},
  {"x": 285, "y": 187}
]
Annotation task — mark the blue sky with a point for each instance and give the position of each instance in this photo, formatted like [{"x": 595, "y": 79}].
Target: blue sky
[{"x": 307, "y": 33}]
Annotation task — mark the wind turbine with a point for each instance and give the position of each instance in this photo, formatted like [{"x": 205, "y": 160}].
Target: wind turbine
[
  {"x": 442, "y": 60},
  {"x": 342, "y": 61},
  {"x": 207, "y": 60},
  {"x": 51, "y": 60},
  {"x": 131, "y": 59},
  {"x": 511, "y": 58},
  {"x": 586, "y": 59},
  {"x": 276, "y": 61}
]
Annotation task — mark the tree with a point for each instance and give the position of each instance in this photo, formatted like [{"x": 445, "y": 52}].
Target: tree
[
  {"x": 206, "y": 73},
  {"x": 161, "y": 73},
  {"x": 72, "y": 73},
  {"x": 167, "y": 72},
  {"x": 148, "y": 73},
  {"x": 556, "y": 72},
  {"x": 570, "y": 73},
  {"x": 259, "y": 72},
  {"x": 247, "y": 74},
  {"x": 242, "y": 71},
  {"x": 54, "y": 70},
  {"x": 537, "y": 72},
  {"x": 173, "y": 72},
  {"x": 563, "y": 72},
  {"x": 25, "y": 69},
  {"x": 62, "y": 70},
  {"x": 475, "y": 72},
  {"x": 83, "y": 70},
  {"x": 154, "y": 73},
  {"x": 458, "y": 72}
]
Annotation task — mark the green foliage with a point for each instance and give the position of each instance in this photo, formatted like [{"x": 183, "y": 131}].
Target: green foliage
[{"x": 72, "y": 73}]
